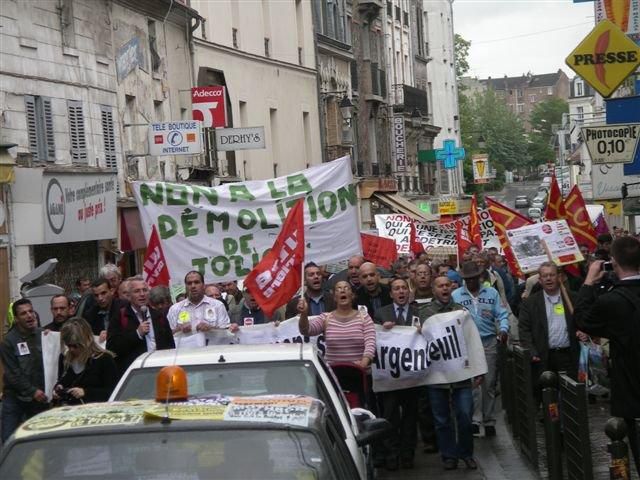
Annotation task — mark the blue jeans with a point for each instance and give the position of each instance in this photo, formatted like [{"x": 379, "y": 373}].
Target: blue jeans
[
  {"x": 453, "y": 442},
  {"x": 14, "y": 412}
]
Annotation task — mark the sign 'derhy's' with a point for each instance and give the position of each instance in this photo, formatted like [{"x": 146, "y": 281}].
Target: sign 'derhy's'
[{"x": 240, "y": 138}]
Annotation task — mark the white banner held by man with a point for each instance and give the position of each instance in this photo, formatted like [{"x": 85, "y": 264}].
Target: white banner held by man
[{"x": 224, "y": 231}]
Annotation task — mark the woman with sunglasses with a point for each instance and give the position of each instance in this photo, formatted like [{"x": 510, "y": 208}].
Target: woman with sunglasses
[{"x": 86, "y": 371}]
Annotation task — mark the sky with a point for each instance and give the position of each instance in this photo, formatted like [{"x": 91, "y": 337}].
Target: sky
[{"x": 512, "y": 37}]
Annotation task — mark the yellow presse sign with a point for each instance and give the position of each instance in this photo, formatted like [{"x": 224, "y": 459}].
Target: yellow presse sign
[{"x": 605, "y": 58}]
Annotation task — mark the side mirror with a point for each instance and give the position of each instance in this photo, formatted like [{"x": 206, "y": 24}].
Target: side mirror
[{"x": 372, "y": 430}]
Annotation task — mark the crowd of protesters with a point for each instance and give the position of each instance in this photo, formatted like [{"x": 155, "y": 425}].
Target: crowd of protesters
[{"x": 549, "y": 313}]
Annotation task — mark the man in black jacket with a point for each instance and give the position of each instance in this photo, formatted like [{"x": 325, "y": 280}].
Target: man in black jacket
[
  {"x": 23, "y": 378},
  {"x": 134, "y": 328},
  {"x": 400, "y": 407},
  {"x": 102, "y": 309},
  {"x": 317, "y": 298},
  {"x": 616, "y": 315},
  {"x": 371, "y": 293},
  {"x": 547, "y": 328}
]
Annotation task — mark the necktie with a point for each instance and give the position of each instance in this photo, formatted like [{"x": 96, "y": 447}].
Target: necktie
[{"x": 401, "y": 314}]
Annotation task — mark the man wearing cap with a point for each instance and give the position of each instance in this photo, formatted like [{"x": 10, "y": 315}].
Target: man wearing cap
[{"x": 485, "y": 306}]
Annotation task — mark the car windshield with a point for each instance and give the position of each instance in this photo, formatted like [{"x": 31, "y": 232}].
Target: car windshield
[
  {"x": 177, "y": 455},
  {"x": 243, "y": 379}
]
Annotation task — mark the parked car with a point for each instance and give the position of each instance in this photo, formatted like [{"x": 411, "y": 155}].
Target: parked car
[
  {"x": 236, "y": 438},
  {"x": 287, "y": 368},
  {"x": 535, "y": 213},
  {"x": 522, "y": 201}
]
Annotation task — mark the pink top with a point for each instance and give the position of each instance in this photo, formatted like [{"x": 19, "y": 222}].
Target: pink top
[{"x": 347, "y": 339}]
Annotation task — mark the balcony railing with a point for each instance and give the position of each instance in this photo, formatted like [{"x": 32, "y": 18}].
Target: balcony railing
[{"x": 415, "y": 98}]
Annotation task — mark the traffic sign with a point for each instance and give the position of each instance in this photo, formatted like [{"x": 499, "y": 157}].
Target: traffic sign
[
  {"x": 481, "y": 171},
  {"x": 605, "y": 58},
  {"x": 612, "y": 143}
]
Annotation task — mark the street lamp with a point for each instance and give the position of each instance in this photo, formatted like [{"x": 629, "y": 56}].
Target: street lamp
[{"x": 346, "y": 109}]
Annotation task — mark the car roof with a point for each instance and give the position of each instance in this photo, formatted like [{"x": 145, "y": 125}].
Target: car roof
[
  {"x": 214, "y": 412},
  {"x": 227, "y": 354}
]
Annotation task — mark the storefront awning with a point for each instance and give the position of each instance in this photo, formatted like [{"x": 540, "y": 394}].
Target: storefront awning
[{"x": 402, "y": 205}]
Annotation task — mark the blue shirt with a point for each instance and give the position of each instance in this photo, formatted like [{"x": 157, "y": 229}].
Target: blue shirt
[{"x": 486, "y": 309}]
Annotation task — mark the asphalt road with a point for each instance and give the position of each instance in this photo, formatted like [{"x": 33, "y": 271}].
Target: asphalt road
[{"x": 511, "y": 190}]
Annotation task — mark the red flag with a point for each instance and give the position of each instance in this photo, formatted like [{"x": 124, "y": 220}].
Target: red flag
[
  {"x": 579, "y": 221},
  {"x": 278, "y": 276},
  {"x": 463, "y": 241},
  {"x": 415, "y": 245},
  {"x": 506, "y": 219},
  {"x": 379, "y": 250},
  {"x": 155, "y": 267},
  {"x": 474, "y": 224},
  {"x": 555, "y": 206}
]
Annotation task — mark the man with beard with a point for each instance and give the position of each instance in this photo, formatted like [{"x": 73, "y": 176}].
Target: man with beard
[
  {"x": 23, "y": 378},
  {"x": 372, "y": 294},
  {"x": 318, "y": 300},
  {"x": 59, "y": 311},
  {"x": 486, "y": 307},
  {"x": 197, "y": 312},
  {"x": 455, "y": 442},
  {"x": 136, "y": 328},
  {"x": 234, "y": 295},
  {"x": 400, "y": 407}
]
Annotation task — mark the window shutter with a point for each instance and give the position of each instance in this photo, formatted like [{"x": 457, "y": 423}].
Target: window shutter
[
  {"x": 109, "y": 138},
  {"x": 76, "y": 132},
  {"x": 32, "y": 126},
  {"x": 48, "y": 130}
]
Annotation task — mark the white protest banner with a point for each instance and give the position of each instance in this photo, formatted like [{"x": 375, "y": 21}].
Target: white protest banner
[
  {"x": 50, "y": 355},
  {"x": 224, "y": 231},
  {"x": 541, "y": 242},
  {"x": 449, "y": 350},
  {"x": 433, "y": 235}
]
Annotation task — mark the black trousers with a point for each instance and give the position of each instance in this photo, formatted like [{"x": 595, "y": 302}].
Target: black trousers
[
  {"x": 400, "y": 407},
  {"x": 558, "y": 360},
  {"x": 425, "y": 417},
  {"x": 633, "y": 434}
]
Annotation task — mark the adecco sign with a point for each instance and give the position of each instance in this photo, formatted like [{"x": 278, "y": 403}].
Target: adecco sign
[
  {"x": 208, "y": 105},
  {"x": 240, "y": 138},
  {"x": 605, "y": 58},
  {"x": 79, "y": 207}
]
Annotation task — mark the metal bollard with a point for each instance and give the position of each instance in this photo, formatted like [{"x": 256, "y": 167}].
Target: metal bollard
[
  {"x": 552, "y": 432},
  {"x": 616, "y": 430}
]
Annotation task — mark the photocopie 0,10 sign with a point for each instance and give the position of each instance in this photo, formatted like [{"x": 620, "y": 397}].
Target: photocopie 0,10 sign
[{"x": 612, "y": 143}]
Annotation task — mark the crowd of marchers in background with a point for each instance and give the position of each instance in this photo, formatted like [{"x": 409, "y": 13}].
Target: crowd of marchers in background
[{"x": 551, "y": 313}]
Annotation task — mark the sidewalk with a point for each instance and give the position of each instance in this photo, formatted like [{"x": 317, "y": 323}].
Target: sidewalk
[{"x": 498, "y": 459}]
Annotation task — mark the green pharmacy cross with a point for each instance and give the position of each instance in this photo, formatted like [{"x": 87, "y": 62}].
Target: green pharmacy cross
[{"x": 450, "y": 154}]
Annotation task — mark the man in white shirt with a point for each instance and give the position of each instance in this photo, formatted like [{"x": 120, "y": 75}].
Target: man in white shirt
[{"x": 197, "y": 312}]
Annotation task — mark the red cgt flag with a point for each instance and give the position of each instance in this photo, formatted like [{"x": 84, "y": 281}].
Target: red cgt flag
[
  {"x": 506, "y": 219},
  {"x": 474, "y": 224},
  {"x": 555, "y": 206},
  {"x": 155, "y": 267},
  {"x": 579, "y": 220},
  {"x": 462, "y": 239},
  {"x": 278, "y": 276},
  {"x": 379, "y": 250},
  {"x": 415, "y": 245}
]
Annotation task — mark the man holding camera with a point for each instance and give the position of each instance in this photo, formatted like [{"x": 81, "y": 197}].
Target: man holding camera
[{"x": 615, "y": 314}]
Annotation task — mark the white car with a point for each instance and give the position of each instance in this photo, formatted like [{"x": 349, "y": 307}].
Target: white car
[
  {"x": 535, "y": 213},
  {"x": 248, "y": 370}
]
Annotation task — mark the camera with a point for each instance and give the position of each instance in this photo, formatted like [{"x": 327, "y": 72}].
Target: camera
[
  {"x": 64, "y": 397},
  {"x": 607, "y": 267}
]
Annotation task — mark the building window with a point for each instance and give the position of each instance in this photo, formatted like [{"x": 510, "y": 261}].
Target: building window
[
  {"x": 266, "y": 47},
  {"x": 109, "y": 137},
  {"x": 532, "y": 98},
  {"x": 521, "y": 108},
  {"x": 153, "y": 46},
  {"x": 234, "y": 37},
  {"x": 389, "y": 9},
  {"x": 520, "y": 93},
  {"x": 579, "y": 89},
  {"x": 580, "y": 113},
  {"x": 398, "y": 13},
  {"x": 549, "y": 90},
  {"x": 300, "y": 58},
  {"x": 40, "y": 128},
  {"x": 77, "y": 136}
]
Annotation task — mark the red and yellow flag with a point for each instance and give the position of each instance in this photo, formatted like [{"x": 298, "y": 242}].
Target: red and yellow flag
[
  {"x": 555, "y": 206},
  {"x": 578, "y": 219},
  {"x": 506, "y": 219},
  {"x": 474, "y": 224}
]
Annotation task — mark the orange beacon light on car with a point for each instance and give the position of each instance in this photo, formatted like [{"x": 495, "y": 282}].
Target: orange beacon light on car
[{"x": 171, "y": 384}]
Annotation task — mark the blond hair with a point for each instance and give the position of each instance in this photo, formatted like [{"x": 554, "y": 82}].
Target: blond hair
[{"x": 77, "y": 331}]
